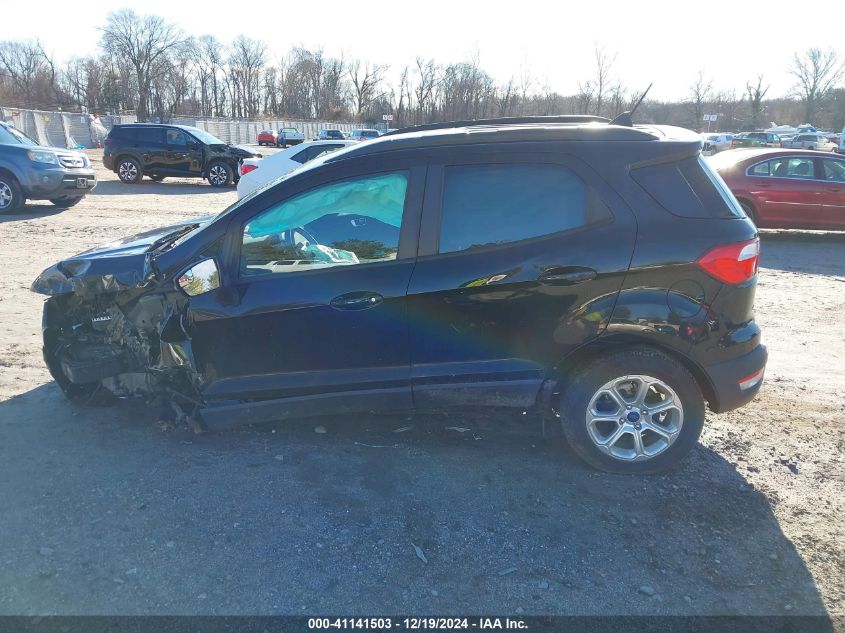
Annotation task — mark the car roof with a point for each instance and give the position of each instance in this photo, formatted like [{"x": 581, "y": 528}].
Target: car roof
[
  {"x": 577, "y": 128},
  {"x": 736, "y": 156}
]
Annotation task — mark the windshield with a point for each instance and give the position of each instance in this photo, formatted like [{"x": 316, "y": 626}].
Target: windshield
[
  {"x": 205, "y": 137},
  {"x": 11, "y": 136}
]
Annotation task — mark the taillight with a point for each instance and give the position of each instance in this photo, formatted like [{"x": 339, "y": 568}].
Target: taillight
[
  {"x": 732, "y": 263},
  {"x": 245, "y": 169}
]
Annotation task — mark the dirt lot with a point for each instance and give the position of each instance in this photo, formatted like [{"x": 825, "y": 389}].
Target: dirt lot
[{"x": 105, "y": 512}]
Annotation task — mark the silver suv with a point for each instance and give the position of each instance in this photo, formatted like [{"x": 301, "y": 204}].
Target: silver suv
[{"x": 810, "y": 141}]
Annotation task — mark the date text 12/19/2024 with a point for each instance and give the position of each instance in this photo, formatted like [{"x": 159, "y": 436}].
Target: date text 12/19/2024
[{"x": 418, "y": 624}]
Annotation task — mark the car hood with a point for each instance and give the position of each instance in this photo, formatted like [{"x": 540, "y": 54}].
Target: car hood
[
  {"x": 236, "y": 150},
  {"x": 126, "y": 263}
]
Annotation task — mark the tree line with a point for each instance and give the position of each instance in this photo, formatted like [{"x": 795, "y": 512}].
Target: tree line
[{"x": 150, "y": 67}]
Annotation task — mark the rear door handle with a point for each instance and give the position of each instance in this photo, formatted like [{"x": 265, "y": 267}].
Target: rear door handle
[
  {"x": 567, "y": 275},
  {"x": 360, "y": 300}
]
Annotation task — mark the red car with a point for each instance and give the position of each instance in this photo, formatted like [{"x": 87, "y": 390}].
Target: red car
[
  {"x": 786, "y": 189},
  {"x": 267, "y": 137}
]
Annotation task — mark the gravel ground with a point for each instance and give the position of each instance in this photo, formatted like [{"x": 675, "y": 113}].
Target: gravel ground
[{"x": 106, "y": 512}]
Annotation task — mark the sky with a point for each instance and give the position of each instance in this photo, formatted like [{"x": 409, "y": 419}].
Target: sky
[{"x": 731, "y": 41}]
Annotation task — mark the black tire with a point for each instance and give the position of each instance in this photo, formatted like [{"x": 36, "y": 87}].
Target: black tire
[
  {"x": 11, "y": 194},
  {"x": 66, "y": 202},
  {"x": 129, "y": 170},
  {"x": 586, "y": 383},
  {"x": 220, "y": 174},
  {"x": 157, "y": 177}
]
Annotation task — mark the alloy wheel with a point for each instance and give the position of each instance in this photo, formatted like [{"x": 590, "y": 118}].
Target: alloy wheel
[
  {"x": 5, "y": 195},
  {"x": 127, "y": 171},
  {"x": 218, "y": 175},
  {"x": 634, "y": 418}
]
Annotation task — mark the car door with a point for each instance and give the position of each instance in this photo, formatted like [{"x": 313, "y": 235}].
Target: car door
[
  {"x": 832, "y": 214},
  {"x": 183, "y": 156},
  {"x": 315, "y": 314},
  {"x": 520, "y": 262},
  {"x": 787, "y": 192}
]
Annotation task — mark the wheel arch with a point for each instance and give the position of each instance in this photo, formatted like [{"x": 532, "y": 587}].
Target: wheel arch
[
  {"x": 123, "y": 155},
  {"x": 604, "y": 345}
]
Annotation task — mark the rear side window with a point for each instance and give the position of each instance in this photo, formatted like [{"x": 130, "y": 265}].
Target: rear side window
[
  {"x": 492, "y": 204},
  {"x": 688, "y": 189},
  {"x": 140, "y": 134}
]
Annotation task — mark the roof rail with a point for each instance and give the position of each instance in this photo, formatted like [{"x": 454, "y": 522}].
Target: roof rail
[{"x": 511, "y": 120}]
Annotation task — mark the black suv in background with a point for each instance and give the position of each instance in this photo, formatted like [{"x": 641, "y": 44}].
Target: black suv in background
[
  {"x": 142, "y": 149},
  {"x": 593, "y": 270},
  {"x": 30, "y": 170}
]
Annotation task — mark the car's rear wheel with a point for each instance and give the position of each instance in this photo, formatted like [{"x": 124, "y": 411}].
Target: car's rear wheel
[
  {"x": 635, "y": 411},
  {"x": 220, "y": 175},
  {"x": 129, "y": 171},
  {"x": 11, "y": 194},
  {"x": 66, "y": 202}
]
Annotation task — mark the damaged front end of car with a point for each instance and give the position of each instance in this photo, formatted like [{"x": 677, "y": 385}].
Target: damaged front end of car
[{"x": 115, "y": 321}]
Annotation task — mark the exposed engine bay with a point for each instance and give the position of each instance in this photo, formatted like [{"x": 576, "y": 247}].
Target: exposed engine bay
[{"x": 132, "y": 343}]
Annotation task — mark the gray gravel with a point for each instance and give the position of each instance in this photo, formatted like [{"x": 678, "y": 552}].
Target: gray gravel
[{"x": 104, "y": 512}]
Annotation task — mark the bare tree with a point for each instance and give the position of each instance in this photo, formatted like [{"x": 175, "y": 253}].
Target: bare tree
[
  {"x": 699, "y": 95},
  {"x": 756, "y": 93},
  {"x": 30, "y": 70},
  {"x": 602, "y": 80},
  {"x": 246, "y": 63},
  {"x": 208, "y": 61},
  {"x": 141, "y": 42},
  {"x": 365, "y": 79},
  {"x": 816, "y": 72}
]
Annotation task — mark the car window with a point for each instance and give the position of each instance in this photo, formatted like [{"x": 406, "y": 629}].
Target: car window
[
  {"x": 760, "y": 169},
  {"x": 834, "y": 169},
  {"x": 353, "y": 221},
  {"x": 176, "y": 137},
  {"x": 11, "y": 136},
  {"x": 143, "y": 134},
  {"x": 319, "y": 150},
  {"x": 792, "y": 168},
  {"x": 491, "y": 204},
  {"x": 688, "y": 188},
  {"x": 302, "y": 156}
]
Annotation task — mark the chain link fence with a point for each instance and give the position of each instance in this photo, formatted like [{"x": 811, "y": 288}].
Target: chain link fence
[{"x": 80, "y": 130}]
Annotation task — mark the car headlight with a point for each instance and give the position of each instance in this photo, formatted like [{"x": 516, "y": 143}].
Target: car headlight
[
  {"x": 85, "y": 162},
  {"x": 40, "y": 156}
]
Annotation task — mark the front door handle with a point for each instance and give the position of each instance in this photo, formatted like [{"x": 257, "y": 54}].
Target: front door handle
[
  {"x": 567, "y": 275},
  {"x": 361, "y": 300}
]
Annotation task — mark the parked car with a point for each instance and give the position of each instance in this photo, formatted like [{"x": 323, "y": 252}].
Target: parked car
[
  {"x": 289, "y": 136},
  {"x": 31, "y": 171},
  {"x": 813, "y": 140},
  {"x": 523, "y": 284},
  {"x": 330, "y": 135},
  {"x": 756, "y": 139},
  {"x": 787, "y": 189},
  {"x": 267, "y": 137},
  {"x": 717, "y": 142},
  {"x": 362, "y": 135},
  {"x": 257, "y": 172},
  {"x": 136, "y": 150}
]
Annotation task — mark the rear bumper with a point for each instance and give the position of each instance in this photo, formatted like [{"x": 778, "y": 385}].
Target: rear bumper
[{"x": 737, "y": 381}]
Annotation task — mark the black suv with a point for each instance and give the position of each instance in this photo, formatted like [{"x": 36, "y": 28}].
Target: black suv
[
  {"x": 138, "y": 149},
  {"x": 30, "y": 170},
  {"x": 592, "y": 270}
]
